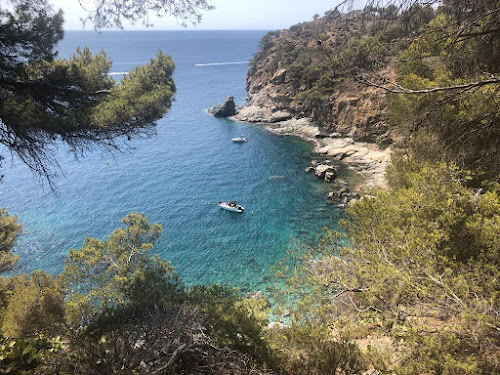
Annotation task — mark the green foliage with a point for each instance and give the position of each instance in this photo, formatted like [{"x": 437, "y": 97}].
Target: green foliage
[
  {"x": 9, "y": 230},
  {"x": 364, "y": 53},
  {"x": 317, "y": 78},
  {"x": 122, "y": 307},
  {"x": 232, "y": 321},
  {"x": 22, "y": 356},
  {"x": 417, "y": 16},
  {"x": 465, "y": 121},
  {"x": 320, "y": 58},
  {"x": 442, "y": 353},
  {"x": 29, "y": 31},
  {"x": 311, "y": 349},
  {"x": 267, "y": 40},
  {"x": 122, "y": 296},
  {"x": 142, "y": 96},
  {"x": 422, "y": 266},
  {"x": 391, "y": 33},
  {"x": 414, "y": 292},
  {"x": 425, "y": 251},
  {"x": 105, "y": 274},
  {"x": 44, "y": 100},
  {"x": 390, "y": 12},
  {"x": 35, "y": 307},
  {"x": 417, "y": 286},
  {"x": 315, "y": 341}
]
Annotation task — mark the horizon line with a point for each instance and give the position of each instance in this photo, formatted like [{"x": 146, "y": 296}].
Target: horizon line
[{"x": 100, "y": 31}]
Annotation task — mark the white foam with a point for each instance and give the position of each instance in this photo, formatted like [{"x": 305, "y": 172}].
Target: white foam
[{"x": 223, "y": 63}]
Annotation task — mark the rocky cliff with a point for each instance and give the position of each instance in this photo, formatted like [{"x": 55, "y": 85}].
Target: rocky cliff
[{"x": 312, "y": 70}]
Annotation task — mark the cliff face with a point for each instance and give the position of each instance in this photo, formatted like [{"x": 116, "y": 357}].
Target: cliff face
[{"x": 310, "y": 69}]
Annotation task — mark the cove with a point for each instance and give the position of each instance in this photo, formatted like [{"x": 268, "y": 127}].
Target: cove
[{"x": 177, "y": 176}]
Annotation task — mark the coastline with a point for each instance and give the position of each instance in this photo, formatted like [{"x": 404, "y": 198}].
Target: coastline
[{"x": 364, "y": 158}]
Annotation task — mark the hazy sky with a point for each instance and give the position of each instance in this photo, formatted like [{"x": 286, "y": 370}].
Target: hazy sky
[{"x": 229, "y": 14}]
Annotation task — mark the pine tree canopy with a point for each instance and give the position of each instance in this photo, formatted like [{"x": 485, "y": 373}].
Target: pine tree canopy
[{"x": 45, "y": 100}]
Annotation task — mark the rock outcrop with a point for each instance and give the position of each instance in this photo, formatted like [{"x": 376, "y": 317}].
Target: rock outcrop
[
  {"x": 325, "y": 171},
  {"x": 225, "y": 109},
  {"x": 311, "y": 71},
  {"x": 303, "y": 82},
  {"x": 365, "y": 158},
  {"x": 353, "y": 111}
]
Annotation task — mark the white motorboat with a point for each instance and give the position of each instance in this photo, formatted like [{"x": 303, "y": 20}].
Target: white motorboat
[
  {"x": 240, "y": 140},
  {"x": 231, "y": 206}
]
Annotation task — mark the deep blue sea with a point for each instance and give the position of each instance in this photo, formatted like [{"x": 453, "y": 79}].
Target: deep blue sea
[{"x": 177, "y": 177}]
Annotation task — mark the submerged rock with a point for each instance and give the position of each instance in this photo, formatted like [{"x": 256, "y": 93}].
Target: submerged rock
[
  {"x": 343, "y": 197},
  {"x": 343, "y": 191},
  {"x": 225, "y": 109},
  {"x": 277, "y": 178}
]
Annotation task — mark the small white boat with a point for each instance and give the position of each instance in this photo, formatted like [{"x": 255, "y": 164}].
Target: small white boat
[
  {"x": 231, "y": 206},
  {"x": 240, "y": 140}
]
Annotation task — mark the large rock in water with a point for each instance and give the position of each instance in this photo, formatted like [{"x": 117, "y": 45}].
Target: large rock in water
[
  {"x": 226, "y": 109},
  {"x": 321, "y": 171}
]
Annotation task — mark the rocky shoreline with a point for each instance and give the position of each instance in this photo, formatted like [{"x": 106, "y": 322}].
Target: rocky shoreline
[{"x": 364, "y": 158}]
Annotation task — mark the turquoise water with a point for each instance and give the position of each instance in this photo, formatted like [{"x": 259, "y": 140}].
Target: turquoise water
[{"x": 177, "y": 177}]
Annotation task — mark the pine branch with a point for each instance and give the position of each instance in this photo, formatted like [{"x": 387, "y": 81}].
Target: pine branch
[
  {"x": 403, "y": 90},
  {"x": 44, "y": 85}
]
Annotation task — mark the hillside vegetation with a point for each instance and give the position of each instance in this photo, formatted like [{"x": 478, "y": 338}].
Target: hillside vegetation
[
  {"x": 311, "y": 70},
  {"x": 418, "y": 288}
]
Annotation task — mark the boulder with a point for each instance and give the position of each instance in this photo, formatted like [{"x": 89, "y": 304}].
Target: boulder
[
  {"x": 330, "y": 176},
  {"x": 279, "y": 76},
  {"x": 309, "y": 169},
  {"x": 343, "y": 191},
  {"x": 226, "y": 109},
  {"x": 321, "y": 169},
  {"x": 341, "y": 181}
]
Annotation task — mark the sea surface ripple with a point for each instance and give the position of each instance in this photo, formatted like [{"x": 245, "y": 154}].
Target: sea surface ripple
[{"x": 177, "y": 177}]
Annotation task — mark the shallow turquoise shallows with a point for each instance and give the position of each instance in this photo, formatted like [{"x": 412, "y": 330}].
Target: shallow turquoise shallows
[{"x": 178, "y": 176}]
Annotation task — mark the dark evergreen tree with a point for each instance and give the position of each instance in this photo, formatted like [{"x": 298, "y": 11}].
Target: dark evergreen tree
[{"x": 45, "y": 100}]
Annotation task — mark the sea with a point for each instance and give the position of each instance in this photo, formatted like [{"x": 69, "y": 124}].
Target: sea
[{"x": 177, "y": 177}]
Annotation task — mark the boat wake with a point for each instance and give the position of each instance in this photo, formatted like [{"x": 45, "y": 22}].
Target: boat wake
[
  {"x": 223, "y": 63},
  {"x": 117, "y": 73}
]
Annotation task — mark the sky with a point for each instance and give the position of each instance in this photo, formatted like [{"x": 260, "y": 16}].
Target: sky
[{"x": 228, "y": 15}]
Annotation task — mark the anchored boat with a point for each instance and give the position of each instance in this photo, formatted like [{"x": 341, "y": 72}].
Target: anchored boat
[
  {"x": 240, "y": 140},
  {"x": 231, "y": 206}
]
